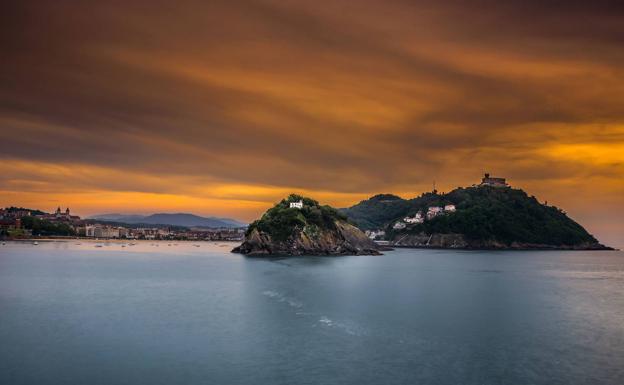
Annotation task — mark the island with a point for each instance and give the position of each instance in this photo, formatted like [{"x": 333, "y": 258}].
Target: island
[
  {"x": 301, "y": 226},
  {"x": 489, "y": 215}
]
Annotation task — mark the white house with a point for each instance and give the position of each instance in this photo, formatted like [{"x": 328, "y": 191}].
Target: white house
[
  {"x": 296, "y": 205},
  {"x": 398, "y": 226},
  {"x": 450, "y": 208},
  {"x": 374, "y": 234},
  {"x": 418, "y": 218},
  {"x": 433, "y": 211}
]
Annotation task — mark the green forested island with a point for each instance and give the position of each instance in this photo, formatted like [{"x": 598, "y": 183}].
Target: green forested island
[
  {"x": 491, "y": 215},
  {"x": 301, "y": 226},
  {"x": 481, "y": 216}
]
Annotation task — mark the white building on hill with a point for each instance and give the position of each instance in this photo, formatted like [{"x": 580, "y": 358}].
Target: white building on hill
[
  {"x": 374, "y": 234},
  {"x": 296, "y": 205},
  {"x": 433, "y": 211},
  {"x": 418, "y": 218},
  {"x": 399, "y": 226}
]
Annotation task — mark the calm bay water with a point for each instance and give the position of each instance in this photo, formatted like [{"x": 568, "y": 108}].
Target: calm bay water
[{"x": 145, "y": 314}]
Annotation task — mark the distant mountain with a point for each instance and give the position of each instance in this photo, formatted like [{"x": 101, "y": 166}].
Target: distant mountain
[
  {"x": 178, "y": 219},
  {"x": 119, "y": 218}
]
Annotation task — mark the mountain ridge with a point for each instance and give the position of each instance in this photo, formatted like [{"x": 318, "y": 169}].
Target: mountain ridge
[{"x": 173, "y": 219}]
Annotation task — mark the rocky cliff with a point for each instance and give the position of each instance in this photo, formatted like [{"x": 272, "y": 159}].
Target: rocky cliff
[
  {"x": 345, "y": 240},
  {"x": 311, "y": 229},
  {"x": 459, "y": 241}
]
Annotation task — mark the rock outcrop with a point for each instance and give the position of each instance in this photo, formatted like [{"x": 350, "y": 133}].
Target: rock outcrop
[
  {"x": 459, "y": 241},
  {"x": 346, "y": 239},
  {"x": 307, "y": 230}
]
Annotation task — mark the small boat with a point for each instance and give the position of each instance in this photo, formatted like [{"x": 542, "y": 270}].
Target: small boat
[
  {"x": 123, "y": 245},
  {"x": 98, "y": 245},
  {"x": 3, "y": 243},
  {"x": 35, "y": 243}
]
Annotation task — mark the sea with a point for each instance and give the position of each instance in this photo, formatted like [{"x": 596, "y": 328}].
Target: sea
[{"x": 81, "y": 312}]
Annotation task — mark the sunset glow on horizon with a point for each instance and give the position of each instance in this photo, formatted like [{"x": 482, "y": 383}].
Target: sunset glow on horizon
[{"x": 222, "y": 108}]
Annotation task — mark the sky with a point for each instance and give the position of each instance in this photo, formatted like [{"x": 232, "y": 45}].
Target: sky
[{"x": 224, "y": 107}]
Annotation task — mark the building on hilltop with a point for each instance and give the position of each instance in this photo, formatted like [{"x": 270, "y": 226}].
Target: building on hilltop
[
  {"x": 14, "y": 213},
  {"x": 450, "y": 208},
  {"x": 62, "y": 217},
  {"x": 296, "y": 205},
  {"x": 493, "y": 182}
]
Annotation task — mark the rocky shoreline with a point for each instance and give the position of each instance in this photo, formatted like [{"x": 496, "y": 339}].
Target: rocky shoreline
[
  {"x": 458, "y": 241},
  {"x": 346, "y": 239}
]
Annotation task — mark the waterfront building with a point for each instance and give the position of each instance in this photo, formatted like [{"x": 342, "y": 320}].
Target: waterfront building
[
  {"x": 90, "y": 230},
  {"x": 374, "y": 234}
]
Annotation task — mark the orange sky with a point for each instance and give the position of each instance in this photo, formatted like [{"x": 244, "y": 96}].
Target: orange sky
[{"x": 223, "y": 107}]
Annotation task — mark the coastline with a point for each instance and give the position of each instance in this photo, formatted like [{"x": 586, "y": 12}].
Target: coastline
[
  {"x": 109, "y": 240},
  {"x": 509, "y": 248},
  {"x": 382, "y": 248}
]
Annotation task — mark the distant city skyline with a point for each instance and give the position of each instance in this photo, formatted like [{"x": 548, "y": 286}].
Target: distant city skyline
[{"x": 222, "y": 108}]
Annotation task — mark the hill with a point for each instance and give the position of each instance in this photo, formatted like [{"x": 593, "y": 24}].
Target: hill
[
  {"x": 179, "y": 219},
  {"x": 377, "y": 211},
  {"x": 13, "y": 209},
  {"x": 311, "y": 229},
  {"x": 485, "y": 217}
]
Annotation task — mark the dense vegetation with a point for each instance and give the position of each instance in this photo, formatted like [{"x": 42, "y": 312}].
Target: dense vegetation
[
  {"x": 377, "y": 211},
  {"x": 43, "y": 227},
  {"x": 383, "y": 209},
  {"x": 281, "y": 221},
  {"x": 483, "y": 214}
]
